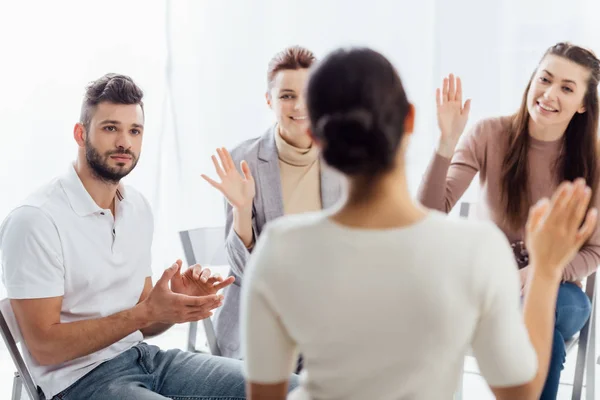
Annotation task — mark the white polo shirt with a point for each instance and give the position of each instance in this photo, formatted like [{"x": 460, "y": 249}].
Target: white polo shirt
[{"x": 59, "y": 242}]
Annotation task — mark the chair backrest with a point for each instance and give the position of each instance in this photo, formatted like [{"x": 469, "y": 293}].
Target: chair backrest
[
  {"x": 590, "y": 287},
  {"x": 12, "y": 335},
  {"x": 465, "y": 208},
  {"x": 206, "y": 246}
]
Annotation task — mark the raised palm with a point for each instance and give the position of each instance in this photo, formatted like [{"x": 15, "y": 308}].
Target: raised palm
[
  {"x": 557, "y": 228},
  {"x": 238, "y": 189},
  {"x": 452, "y": 115}
]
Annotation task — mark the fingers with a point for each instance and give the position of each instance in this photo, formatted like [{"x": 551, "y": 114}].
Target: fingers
[
  {"x": 205, "y": 275},
  {"x": 218, "y": 168},
  {"x": 197, "y": 316},
  {"x": 198, "y": 301},
  {"x": 225, "y": 283},
  {"x": 536, "y": 212},
  {"x": 588, "y": 227},
  {"x": 228, "y": 158},
  {"x": 559, "y": 202},
  {"x": 177, "y": 274},
  {"x": 168, "y": 274},
  {"x": 568, "y": 202},
  {"x": 215, "y": 278},
  {"x": 467, "y": 107},
  {"x": 578, "y": 204},
  {"x": 246, "y": 170},
  {"x": 196, "y": 270},
  {"x": 582, "y": 208},
  {"x": 445, "y": 91},
  {"x": 202, "y": 275},
  {"x": 213, "y": 183},
  {"x": 207, "y": 303},
  {"x": 223, "y": 158},
  {"x": 567, "y": 209},
  {"x": 561, "y": 193},
  {"x": 451, "y": 89}
]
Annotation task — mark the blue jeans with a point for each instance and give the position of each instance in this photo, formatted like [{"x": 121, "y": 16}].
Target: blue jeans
[
  {"x": 147, "y": 373},
  {"x": 573, "y": 309}
]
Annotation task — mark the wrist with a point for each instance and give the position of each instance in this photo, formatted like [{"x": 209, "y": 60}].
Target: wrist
[
  {"x": 242, "y": 225},
  {"x": 245, "y": 211},
  {"x": 548, "y": 273},
  {"x": 141, "y": 315},
  {"x": 446, "y": 148}
]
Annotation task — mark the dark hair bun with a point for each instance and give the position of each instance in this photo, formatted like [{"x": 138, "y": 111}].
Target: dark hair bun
[{"x": 354, "y": 143}]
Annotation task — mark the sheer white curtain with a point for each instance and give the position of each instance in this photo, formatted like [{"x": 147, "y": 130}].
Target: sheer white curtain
[
  {"x": 202, "y": 65},
  {"x": 50, "y": 51}
]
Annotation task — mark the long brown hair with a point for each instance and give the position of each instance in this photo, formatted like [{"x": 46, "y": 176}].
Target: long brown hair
[{"x": 579, "y": 154}]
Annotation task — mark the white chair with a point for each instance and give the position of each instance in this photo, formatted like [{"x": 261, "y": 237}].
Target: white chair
[
  {"x": 585, "y": 341},
  {"x": 12, "y": 337},
  {"x": 205, "y": 246},
  {"x": 586, "y": 352}
]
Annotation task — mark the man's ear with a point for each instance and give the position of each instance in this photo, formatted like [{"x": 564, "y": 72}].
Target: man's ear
[{"x": 79, "y": 134}]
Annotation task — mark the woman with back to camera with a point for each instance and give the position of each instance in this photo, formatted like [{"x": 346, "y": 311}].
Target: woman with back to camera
[
  {"x": 522, "y": 158},
  {"x": 281, "y": 174},
  {"x": 381, "y": 296}
]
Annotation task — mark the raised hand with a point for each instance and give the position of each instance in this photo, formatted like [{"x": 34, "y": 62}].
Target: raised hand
[
  {"x": 238, "y": 189},
  {"x": 165, "y": 306},
  {"x": 198, "y": 281},
  {"x": 452, "y": 115},
  {"x": 557, "y": 228}
]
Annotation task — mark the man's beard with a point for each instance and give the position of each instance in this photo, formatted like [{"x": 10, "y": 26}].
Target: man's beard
[{"x": 100, "y": 167}]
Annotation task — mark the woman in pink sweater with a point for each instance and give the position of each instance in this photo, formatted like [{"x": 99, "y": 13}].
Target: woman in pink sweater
[{"x": 522, "y": 158}]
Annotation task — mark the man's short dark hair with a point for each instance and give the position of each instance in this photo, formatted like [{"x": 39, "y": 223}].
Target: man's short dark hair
[{"x": 112, "y": 88}]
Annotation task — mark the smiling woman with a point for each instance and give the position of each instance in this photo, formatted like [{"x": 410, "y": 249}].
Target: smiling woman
[
  {"x": 281, "y": 173},
  {"x": 287, "y": 75},
  {"x": 521, "y": 159}
]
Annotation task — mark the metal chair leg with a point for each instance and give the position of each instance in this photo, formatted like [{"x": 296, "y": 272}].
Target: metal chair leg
[
  {"x": 461, "y": 383},
  {"x": 590, "y": 373},
  {"x": 580, "y": 363},
  {"x": 586, "y": 347},
  {"x": 192, "y": 334},
  {"x": 17, "y": 387}
]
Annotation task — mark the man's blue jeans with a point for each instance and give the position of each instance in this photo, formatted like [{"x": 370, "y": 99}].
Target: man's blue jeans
[{"x": 147, "y": 373}]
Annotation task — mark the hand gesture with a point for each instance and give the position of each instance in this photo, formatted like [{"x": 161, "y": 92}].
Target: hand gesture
[
  {"x": 239, "y": 190},
  {"x": 165, "y": 306},
  {"x": 196, "y": 281},
  {"x": 452, "y": 115},
  {"x": 557, "y": 229}
]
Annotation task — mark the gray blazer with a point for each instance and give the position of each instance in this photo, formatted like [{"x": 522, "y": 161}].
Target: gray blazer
[{"x": 263, "y": 159}]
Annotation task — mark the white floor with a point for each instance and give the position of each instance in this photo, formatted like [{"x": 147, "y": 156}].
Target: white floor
[{"x": 176, "y": 337}]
